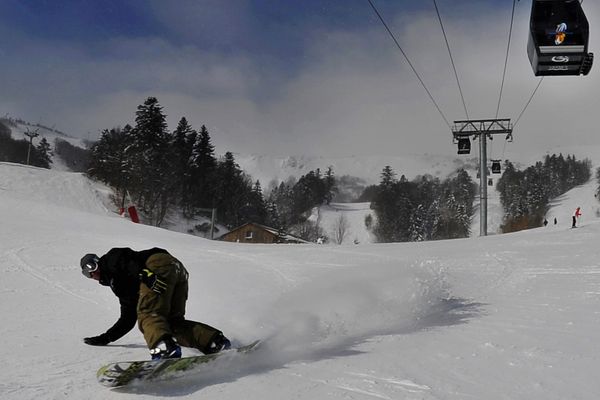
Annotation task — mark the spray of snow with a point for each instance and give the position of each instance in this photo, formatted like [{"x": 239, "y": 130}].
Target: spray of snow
[
  {"x": 345, "y": 308},
  {"x": 330, "y": 316}
]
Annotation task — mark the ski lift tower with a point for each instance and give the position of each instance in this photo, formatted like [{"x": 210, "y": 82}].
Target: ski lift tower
[{"x": 480, "y": 129}]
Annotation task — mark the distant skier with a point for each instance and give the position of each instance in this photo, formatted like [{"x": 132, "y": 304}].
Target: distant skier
[
  {"x": 545, "y": 222},
  {"x": 152, "y": 287},
  {"x": 576, "y": 217}
]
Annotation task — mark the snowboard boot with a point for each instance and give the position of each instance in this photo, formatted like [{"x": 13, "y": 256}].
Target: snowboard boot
[
  {"x": 219, "y": 342},
  {"x": 166, "y": 348}
]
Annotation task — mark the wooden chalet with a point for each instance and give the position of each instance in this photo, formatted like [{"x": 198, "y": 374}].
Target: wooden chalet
[{"x": 252, "y": 232}]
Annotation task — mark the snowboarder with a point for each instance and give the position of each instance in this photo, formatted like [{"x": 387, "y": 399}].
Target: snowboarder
[
  {"x": 152, "y": 287},
  {"x": 576, "y": 216}
]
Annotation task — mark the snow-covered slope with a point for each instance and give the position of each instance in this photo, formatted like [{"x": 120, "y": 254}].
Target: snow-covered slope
[
  {"x": 510, "y": 316},
  {"x": 72, "y": 191},
  {"x": 349, "y": 215},
  {"x": 19, "y": 128}
]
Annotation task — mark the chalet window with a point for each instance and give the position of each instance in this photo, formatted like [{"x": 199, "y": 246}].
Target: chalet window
[{"x": 249, "y": 235}]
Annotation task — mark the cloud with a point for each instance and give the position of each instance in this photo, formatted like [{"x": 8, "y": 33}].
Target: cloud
[{"x": 351, "y": 92}]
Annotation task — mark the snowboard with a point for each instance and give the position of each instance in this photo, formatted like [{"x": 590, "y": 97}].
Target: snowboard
[{"x": 122, "y": 373}]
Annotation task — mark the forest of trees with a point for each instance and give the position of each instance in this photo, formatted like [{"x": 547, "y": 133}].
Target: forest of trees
[
  {"x": 424, "y": 209},
  {"x": 525, "y": 195},
  {"x": 289, "y": 204},
  {"x": 163, "y": 171}
]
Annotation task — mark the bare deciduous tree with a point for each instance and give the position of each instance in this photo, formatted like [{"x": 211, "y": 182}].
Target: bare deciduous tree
[{"x": 340, "y": 228}]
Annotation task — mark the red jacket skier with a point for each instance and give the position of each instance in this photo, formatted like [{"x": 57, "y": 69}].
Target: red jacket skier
[{"x": 576, "y": 217}]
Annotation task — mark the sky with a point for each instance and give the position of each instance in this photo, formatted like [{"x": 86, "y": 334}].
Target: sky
[{"x": 288, "y": 77}]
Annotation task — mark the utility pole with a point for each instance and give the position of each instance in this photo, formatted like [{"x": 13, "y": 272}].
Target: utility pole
[
  {"x": 30, "y": 135},
  {"x": 213, "y": 219},
  {"x": 480, "y": 129}
]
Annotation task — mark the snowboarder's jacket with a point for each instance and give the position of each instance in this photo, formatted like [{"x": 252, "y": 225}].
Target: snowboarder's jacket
[{"x": 120, "y": 269}]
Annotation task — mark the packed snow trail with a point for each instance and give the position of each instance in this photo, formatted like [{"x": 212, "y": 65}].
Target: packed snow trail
[{"x": 507, "y": 316}]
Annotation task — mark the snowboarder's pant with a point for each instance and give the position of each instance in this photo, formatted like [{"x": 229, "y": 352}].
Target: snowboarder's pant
[{"x": 164, "y": 314}]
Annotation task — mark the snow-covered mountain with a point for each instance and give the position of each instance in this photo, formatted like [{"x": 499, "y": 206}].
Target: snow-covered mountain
[{"x": 367, "y": 167}]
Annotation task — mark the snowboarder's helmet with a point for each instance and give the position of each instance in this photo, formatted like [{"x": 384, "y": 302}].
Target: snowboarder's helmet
[{"x": 89, "y": 264}]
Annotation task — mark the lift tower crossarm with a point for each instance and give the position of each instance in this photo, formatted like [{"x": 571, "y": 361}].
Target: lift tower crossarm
[{"x": 479, "y": 126}]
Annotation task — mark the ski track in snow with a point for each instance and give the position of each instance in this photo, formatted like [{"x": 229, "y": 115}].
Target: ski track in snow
[
  {"x": 363, "y": 384},
  {"x": 14, "y": 257}
]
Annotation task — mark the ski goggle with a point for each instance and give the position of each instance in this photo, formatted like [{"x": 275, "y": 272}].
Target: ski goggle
[{"x": 90, "y": 267}]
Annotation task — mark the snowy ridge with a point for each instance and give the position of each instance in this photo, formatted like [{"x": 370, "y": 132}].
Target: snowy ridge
[
  {"x": 268, "y": 168},
  {"x": 19, "y": 128},
  {"x": 369, "y": 167}
]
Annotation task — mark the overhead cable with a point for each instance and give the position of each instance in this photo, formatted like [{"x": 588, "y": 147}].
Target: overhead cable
[
  {"x": 529, "y": 101},
  {"x": 512, "y": 18},
  {"x": 451, "y": 59},
  {"x": 408, "y": 61}
]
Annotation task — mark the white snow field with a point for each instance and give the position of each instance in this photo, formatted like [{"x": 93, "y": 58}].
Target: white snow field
[{"x": 513, "y": 316}]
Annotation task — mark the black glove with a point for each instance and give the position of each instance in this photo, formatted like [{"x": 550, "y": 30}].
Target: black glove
[
  {"x": 153, "y": 282},
  {"x": 100, "y": 340}
]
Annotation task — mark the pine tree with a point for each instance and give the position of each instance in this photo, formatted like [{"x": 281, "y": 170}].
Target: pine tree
[
  {"x": 110, "y": 163},
  {"x": 42, "y": 154},
  {"x": 255, "y": 209},
  {"x": 231, "y": 191},
  {"x": 151, "y": 161},
  {"x": 384, "y": 204},
  {"x": 416, "y": 230},
  {"x": 273, "y": 219},
  {"x": 205, "y": 172},
  {"x": 184, "y": 138},
  {"x": 282, "y": 205},
  {"x": 330, "y": 188},
  {"x": 388, "y": 178}
]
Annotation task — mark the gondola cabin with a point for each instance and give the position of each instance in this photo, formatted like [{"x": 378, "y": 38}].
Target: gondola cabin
[
  {"x": 464, "y": 146},
  {"x": 558, "y": 38},
  {"x": 496, "y": 168}
]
